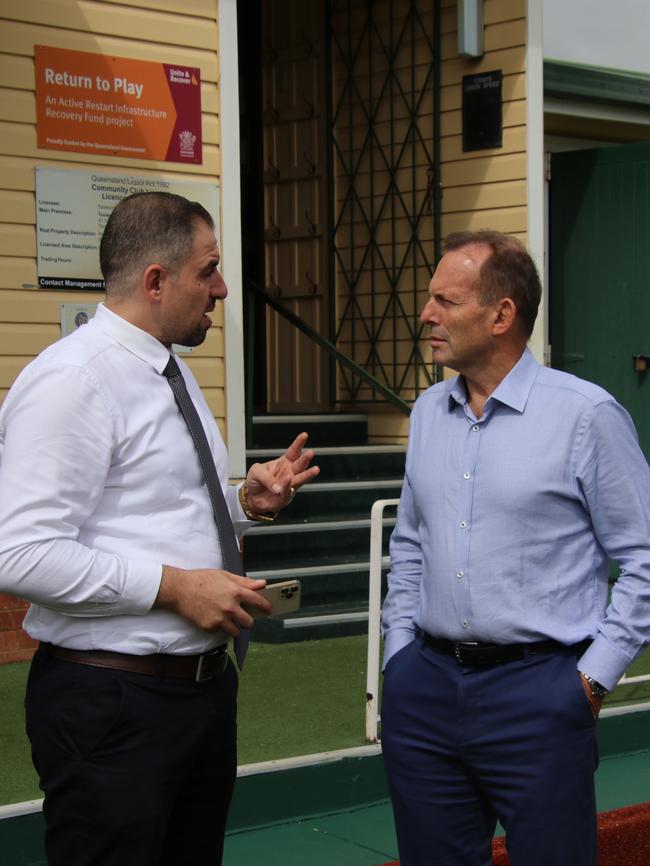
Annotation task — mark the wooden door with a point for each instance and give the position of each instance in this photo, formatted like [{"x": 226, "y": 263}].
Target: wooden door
[
  {"x": 295, "y": 201},
  {"x": 600, "y": 272}
]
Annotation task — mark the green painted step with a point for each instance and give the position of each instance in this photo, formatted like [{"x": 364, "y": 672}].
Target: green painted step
[
  {"x": 327, "y": 588},
  {"x": 338, "y": 585},
  {"x": 347, "y": 463},
  {"x": 323, "y": 429},
  {"x": 323, "y": 537},
  {"x": 342, "y": 500},
  {"x": 315, "y": 622},
  {"x": 295, "y": 544}
]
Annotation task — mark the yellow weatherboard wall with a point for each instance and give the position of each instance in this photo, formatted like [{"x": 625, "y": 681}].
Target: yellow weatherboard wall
[
  {"x": 182, "y": 32},
  {"x": 485, "y": 188}
]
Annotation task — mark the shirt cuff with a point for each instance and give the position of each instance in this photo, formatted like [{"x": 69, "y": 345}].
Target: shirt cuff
[
  {"x": 603, "y": 663},
  {"x": 236, "y": 511},
  {"x": 141, "y": 587},
  {"x": 395, "y": 640}
]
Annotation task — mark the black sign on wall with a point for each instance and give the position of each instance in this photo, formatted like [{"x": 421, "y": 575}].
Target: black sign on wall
[{"x": 482, "y": 111}]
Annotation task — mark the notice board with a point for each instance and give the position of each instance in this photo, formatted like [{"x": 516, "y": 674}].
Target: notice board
[
  {"x": 72, "y": 207},
  {"x": 115, "y": 106}
]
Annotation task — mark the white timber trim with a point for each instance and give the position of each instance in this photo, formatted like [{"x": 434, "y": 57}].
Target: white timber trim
[
  {"x": 231, "y": 238},
  {"x": 594, "y": 111},
  {"x": 535, "y": 164}
]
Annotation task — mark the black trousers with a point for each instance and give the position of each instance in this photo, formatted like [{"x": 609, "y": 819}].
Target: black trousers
[{"x": 136, "y": 770}]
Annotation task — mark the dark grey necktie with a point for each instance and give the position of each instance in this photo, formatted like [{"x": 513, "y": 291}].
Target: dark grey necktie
[{"x": 227, "y": 540}]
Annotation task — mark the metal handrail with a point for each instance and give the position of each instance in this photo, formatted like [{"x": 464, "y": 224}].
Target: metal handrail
[
  {"x": 374, "y": 616},
  {"x": 341, "y": 357}
]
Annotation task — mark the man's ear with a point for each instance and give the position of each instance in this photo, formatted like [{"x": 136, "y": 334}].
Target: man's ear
[
  {"x": 153, "y": 280},
  {"x": 504, "y": 316}
]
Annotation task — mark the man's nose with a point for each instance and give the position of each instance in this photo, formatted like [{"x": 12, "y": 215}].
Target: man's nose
[
  {"x": 428, "y": 313},
  {"x": 219, "y": 289}
]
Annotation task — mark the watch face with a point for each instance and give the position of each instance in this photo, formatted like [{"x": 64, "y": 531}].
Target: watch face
[{"x": 596, "y": 689}]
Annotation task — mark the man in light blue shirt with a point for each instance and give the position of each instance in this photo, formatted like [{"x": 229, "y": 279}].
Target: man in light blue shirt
[{"x": 521, "y": 484}]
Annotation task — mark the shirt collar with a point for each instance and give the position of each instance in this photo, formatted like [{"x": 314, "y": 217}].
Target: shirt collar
[
  {"x": 457, "y": 392},
  {"x": 513, "y": 390},
  {"x": 133, "y": 339}
]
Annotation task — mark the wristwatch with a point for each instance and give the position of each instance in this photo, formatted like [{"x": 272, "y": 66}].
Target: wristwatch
[{"x": 597, "y": 690}]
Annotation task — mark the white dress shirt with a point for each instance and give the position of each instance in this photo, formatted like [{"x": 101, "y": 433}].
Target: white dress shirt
[{"x": 100, "y": 485}]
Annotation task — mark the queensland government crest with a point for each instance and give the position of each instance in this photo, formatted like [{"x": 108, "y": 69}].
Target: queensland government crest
[{"x": 187, "y": 142}]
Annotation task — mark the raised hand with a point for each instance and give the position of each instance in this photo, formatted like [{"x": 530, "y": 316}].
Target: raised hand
[{"x": 271, "y": 486}]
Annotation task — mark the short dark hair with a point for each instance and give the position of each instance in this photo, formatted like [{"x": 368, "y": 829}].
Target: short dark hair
[
  {"x": 144, "y": 228},
  {"x": 509, "y": 272}
]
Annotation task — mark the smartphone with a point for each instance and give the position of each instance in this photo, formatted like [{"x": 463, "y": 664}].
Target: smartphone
[{"x": 284, "y": 597}]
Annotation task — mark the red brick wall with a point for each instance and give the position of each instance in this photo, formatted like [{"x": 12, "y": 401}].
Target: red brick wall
[{"x": 15, "y": 645}]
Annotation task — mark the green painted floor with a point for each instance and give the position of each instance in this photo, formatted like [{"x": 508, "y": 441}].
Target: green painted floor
[
  {"x": 363, "y": 837},
  {"x": 366, "y": 836},
  {"x": 354, "y": 836},
  {"x": 623, "y": 780}
]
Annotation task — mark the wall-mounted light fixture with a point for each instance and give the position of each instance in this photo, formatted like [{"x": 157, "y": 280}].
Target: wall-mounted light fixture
[{"x": 470, "y": 28}]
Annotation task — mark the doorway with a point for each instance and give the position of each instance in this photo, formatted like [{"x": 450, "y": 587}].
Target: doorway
[
  {"x": 284, "y": 213},
  {"x": 338, "y": 131}
]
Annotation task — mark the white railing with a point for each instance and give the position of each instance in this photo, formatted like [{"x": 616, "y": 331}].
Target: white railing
[
  {"x": 374, "y": 616},
  {"x": 628, "y": 681},
  {"x": 377, "y": 561}
]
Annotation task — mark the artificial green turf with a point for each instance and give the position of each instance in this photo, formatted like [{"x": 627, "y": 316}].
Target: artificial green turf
[
  {"x": 301, "y": 698},
  {"x": 294, "y": 699},
  {"x": 18, "y": 780}
]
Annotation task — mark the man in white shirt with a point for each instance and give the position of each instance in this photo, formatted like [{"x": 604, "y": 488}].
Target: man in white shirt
[{"x": 106, "y": 526}]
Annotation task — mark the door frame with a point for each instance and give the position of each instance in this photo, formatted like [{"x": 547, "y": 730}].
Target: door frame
[
  {"x": 537, "y": 219},
  {"x": 231, "y": 266}
]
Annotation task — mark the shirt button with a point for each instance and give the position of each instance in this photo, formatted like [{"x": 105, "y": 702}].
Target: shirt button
[
  {"x": 465, "y": 624},
  {"x": 466, "y": 475},
  {"x": 460, "y": 574},
  {"x": 476, "y": 428},
  {"x": 463, "y": 524}
]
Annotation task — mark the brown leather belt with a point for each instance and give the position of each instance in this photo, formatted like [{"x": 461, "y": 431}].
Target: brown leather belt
[
  {"x": 199, "y": 668},
  {"x": 481, "y": 654}
]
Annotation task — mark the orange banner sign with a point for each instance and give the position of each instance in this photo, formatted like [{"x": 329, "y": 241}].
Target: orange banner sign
[{"x": 113, "y": 106}]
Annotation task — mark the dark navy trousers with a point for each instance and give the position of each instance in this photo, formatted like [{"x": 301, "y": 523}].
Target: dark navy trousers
[{"x": 467, "y": 746}]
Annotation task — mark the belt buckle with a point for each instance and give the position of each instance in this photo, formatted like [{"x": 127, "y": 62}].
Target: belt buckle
[
  {"x": 206, "y": 671},
  {"x": 458, "y": 649}
]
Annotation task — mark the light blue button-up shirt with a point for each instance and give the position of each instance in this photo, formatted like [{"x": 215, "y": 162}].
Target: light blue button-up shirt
[{"x": 506, "y": 523}]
